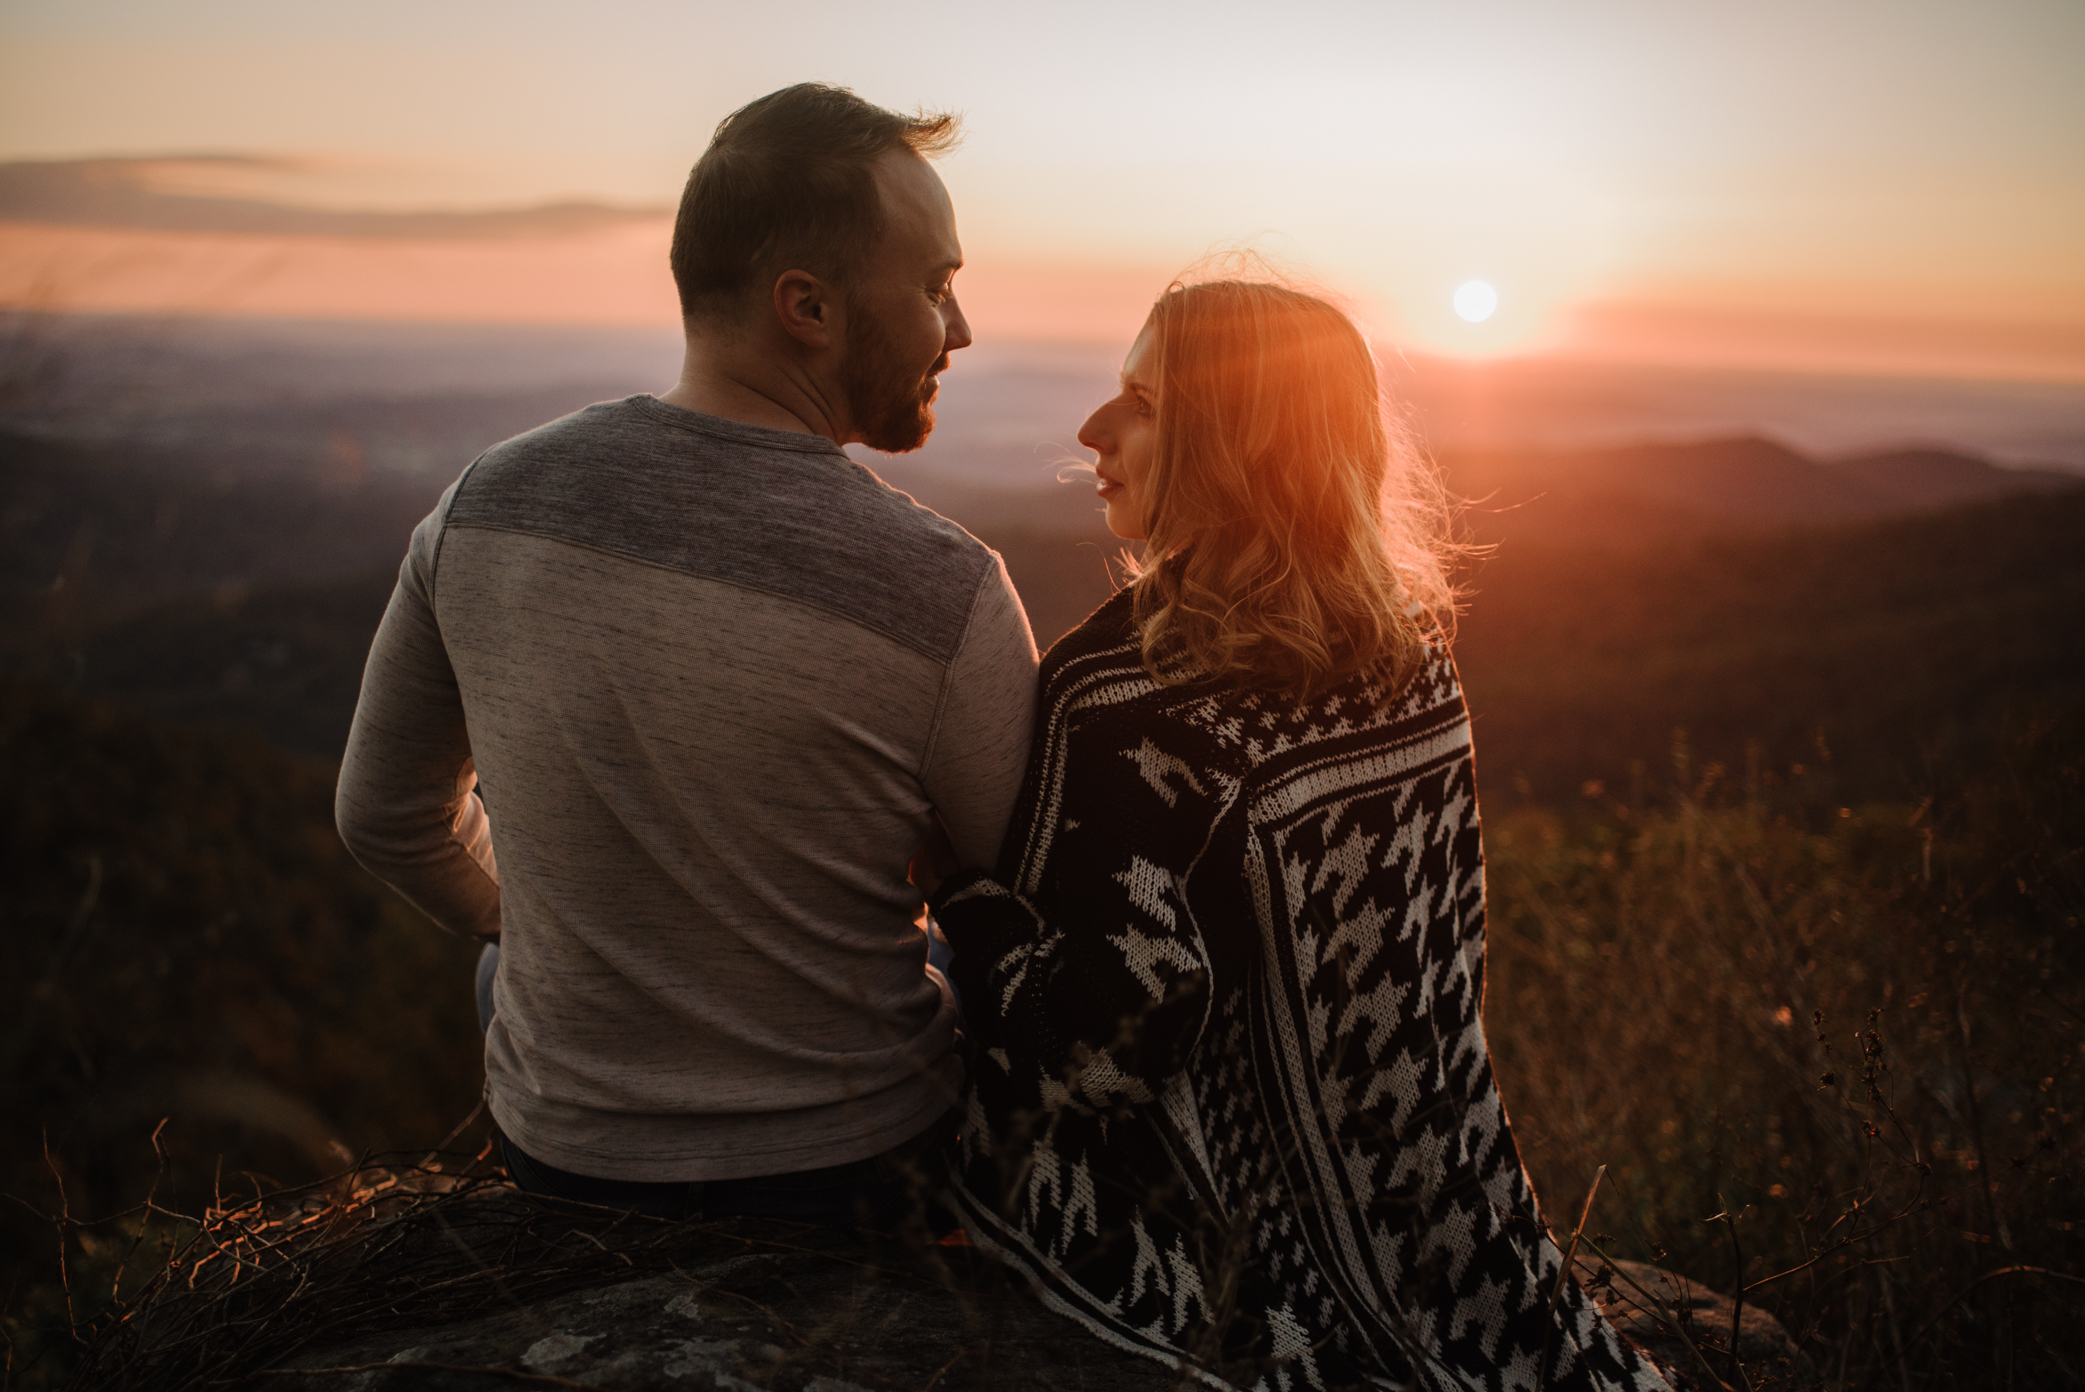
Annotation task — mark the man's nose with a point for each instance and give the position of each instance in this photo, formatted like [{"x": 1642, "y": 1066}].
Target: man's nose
[{"x": 955, "y": 331}]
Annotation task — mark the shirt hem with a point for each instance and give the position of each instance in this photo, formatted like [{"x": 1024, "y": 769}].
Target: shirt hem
[{"x": 697, "y": 1148}]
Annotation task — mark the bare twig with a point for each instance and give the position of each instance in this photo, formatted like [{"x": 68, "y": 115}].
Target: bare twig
[
  {"x": 454, "y": 1132},
  {"x": 1854, "y": 1240},
  {"x": 1654, "y": 1306},
  {"x": 1737, "y": 1303},
  {"x": 1556, "y": 1295},
  {"x": 65, "y": 1227},
  {"x": 145, "y": 1222},
  {"x": 515, "y": 1374}
]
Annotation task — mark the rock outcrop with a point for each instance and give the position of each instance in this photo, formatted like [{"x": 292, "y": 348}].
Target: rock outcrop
[
  {"x": 419, "y": 1280},
  {"x": 776, "y": 1315},
  {"x": 1684, "y": 1325},
  {"x": 820, "y": 1322},
  {"x": 416, "y": 1280}
]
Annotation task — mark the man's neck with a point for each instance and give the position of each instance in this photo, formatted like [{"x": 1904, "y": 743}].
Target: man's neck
[{"x": 753, "y": 390}]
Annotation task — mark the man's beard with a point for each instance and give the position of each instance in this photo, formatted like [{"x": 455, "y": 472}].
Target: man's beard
[{"x": 891, "y": 404}]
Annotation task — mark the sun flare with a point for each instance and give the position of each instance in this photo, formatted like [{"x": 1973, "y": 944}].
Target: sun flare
[{"x": 1475, "y": 300}]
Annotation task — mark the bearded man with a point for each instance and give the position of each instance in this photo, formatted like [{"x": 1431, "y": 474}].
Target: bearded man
[{"x": 719, "y": 681}]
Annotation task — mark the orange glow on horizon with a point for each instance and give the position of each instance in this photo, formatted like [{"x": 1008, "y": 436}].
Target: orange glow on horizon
[
  {"x": 610, "y": 277},
  {"x": 1772, "y": 338},
  {"x": 618, "y": 276}
]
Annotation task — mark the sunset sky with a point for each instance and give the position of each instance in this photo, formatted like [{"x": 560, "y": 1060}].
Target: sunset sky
[{"x": 1850, "y": 186}]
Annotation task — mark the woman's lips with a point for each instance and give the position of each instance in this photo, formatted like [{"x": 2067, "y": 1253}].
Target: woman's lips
[{"x": 1106, "y": 486}]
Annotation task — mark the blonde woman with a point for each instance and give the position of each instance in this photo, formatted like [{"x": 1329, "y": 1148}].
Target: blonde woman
[{"x": 1231, "y": 1104}]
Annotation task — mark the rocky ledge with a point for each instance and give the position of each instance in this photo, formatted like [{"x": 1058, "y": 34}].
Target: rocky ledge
[
  {"x": 758, "y": 1309},
  {"x": 472, "y": 1288}
]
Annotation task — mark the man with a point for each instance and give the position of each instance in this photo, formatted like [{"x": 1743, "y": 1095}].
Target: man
[{"x": 718, "y": 681}]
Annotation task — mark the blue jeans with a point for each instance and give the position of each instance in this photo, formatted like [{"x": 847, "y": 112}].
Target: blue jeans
[
  {"x": 488, "y": 968},
  {"x": 939, "y": 956},
  {"x": 884, "y": 1193}
]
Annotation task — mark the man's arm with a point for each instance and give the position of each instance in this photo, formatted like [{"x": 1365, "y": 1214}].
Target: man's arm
[
  {"x": 404, "y": 804},
  {"x": 979, "y": 749}
]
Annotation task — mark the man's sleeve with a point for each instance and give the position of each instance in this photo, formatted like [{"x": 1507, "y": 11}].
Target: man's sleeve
[
  {"x": 979, "y": 749},
  {"x": 405, "y": 803}
]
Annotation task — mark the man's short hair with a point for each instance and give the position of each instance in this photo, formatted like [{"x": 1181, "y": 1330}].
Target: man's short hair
[{"x": 788, "y": 182}]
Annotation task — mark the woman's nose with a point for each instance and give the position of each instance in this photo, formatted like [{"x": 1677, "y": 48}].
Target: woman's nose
[{"x": 1093, "y": 434}]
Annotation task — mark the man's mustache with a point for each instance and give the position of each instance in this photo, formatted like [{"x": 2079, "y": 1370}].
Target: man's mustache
[{"x": 930, "y": 385}]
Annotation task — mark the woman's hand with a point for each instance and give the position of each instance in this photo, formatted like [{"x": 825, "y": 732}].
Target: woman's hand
[{"x": 934, "y": 861}]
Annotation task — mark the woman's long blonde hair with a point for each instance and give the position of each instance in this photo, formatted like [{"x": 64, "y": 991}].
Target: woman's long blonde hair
[{"x": 1292, "y": 537}]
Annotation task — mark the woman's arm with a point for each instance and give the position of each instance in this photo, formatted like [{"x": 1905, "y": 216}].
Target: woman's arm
[{"x": 1097, "y": 1008}]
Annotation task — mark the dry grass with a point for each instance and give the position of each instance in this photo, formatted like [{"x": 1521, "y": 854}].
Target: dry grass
[
  {"x": 1831, "y": 1055},
  {"x": 1829, "y": 1052}
]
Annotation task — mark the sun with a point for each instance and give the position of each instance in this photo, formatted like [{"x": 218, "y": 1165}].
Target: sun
[{"x": 1475, "y": 300}]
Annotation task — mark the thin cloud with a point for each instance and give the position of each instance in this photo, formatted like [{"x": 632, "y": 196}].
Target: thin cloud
[{"x": 126, "y": 193}]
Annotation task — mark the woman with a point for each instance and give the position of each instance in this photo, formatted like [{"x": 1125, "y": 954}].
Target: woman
[{"x": 1231, "y": 1101}]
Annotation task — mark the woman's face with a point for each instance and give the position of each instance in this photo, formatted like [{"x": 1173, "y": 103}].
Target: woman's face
[{"x": 1122, "y": 433}]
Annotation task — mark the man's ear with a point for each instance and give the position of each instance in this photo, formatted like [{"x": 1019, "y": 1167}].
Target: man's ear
[{"x": 807, "y": 308}]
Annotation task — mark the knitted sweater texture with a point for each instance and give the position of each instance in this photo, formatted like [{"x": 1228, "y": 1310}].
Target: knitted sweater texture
[{"x": 1231, "y": 1103}]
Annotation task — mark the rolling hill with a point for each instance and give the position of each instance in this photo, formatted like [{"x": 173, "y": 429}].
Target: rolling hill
[
  {"x": 1734, "y": 588},
  {"x": 1644, "y": 494},
  {"x": 1904, "y": 643}
]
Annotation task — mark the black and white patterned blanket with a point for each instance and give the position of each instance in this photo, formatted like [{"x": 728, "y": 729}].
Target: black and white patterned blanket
[{"x": 1232, "y": 1106}]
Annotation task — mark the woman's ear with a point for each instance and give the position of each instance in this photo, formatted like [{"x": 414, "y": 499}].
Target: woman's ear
[{"x": 807, "y": 308}]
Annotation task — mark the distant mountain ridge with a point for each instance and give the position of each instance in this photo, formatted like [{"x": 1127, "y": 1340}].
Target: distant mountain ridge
[
  {"x": 1740, "y": 484},
  {"x": 1901, "y": 641},
  {"x": 204, "y": 592},
  {"x": 281, "y": 497},
  {"x": 88, "y": 530},
  {"x": 1936, "y": 478}
]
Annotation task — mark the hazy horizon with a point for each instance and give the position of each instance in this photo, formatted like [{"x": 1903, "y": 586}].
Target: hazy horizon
[{"x": 1009, "y": 409}]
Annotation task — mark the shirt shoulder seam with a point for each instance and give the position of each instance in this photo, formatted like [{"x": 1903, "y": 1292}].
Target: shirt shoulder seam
[
  {"x": 441, "y": 533},
  {"x": 855, "y": 620}
]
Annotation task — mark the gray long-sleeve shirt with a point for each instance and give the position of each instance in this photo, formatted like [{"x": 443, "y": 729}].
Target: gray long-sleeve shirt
[{"x": 716, "y": 679}]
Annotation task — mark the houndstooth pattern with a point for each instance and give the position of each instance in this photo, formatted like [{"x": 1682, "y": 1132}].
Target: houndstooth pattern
[{"x": 1231, "y": 1103}]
